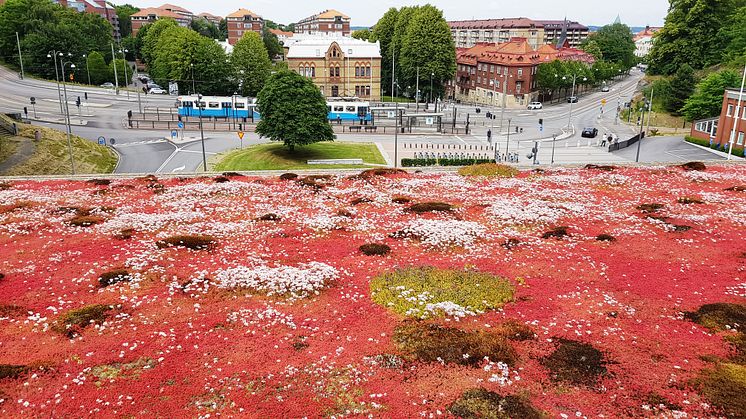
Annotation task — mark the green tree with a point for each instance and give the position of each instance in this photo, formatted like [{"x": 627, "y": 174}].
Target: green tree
[
  {"x": 270, "y": 24},
  {"x": 272, "y": 44},
  {"x": 205, "y": 28},
  {"x": 428, "y": 45},
  {"x": 124, "y": 13},
  {"x": 690, "y": 35},
  {"x": 100, "y": 72},
  {"x": 681, "y": 86},
  {"x": 293, "y": 111},
  {"x": 362, "y": 34},
  {"x": 250, "y": 56},
  {"x": 223, "y": 27},
  {"x": 152, "y": 37},
  {"x": 591, "y": 46},
  {"x": 549, "y": 76},
  {"x": 707, "y": 99},
  {"x": 129, "y": 44},
  {"x": 733, "y": 35},
  {"x": 124, "y": 72},
  {"x": 383, "y": 32},
  {"x": 616, "y": 44},
  {"x": 397, "y": 42}
]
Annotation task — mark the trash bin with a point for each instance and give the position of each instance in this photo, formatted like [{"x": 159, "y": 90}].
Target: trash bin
[{"x": 37, "y": 135}]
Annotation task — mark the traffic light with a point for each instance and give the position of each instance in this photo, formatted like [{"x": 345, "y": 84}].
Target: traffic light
[
  {"x": 86, "y": 96},
  {"x": 25, "y": 110},
  {"x": 77, "y": 102},
  {"x": 541, "y": 121}
]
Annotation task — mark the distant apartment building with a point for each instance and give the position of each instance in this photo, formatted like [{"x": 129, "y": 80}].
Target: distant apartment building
[
  {"x": 242, "y": 21},
  {"x": 339, "y": 66},
  {"x": 182, "y": 16},
  {"x": 468, "y": 33},
  {"x": 644, "y": 41},
  {"x": 494, "y": 74},
  {"x": 719, "y": 130},
  {"x": 101, "y": 8},
  {"x": 327, "y": 22},
  {"x": 215, "y": 20},
  {"x": 282, "y": 36}
]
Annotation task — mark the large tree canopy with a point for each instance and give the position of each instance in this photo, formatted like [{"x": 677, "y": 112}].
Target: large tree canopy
[
  {"x": 293, "y": 111},
  {"x": 615, "y": 44},
  {"x": 383, "y": 32},
  {"x": 250, "y": 57},
  {"x": 124, "y": 13},
  {"x": 707, "y": 100}
]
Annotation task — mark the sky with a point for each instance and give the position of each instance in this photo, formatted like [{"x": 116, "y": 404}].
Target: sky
[{"x": 367, "y": 13}]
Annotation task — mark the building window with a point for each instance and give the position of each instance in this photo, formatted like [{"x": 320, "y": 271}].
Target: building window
[
  {"x": 368, "y": 74},
  {"x": 367, "y": 93},
  {"x": 247, "y": 25},
  {"x": 520, "y": 72},
  {"x": 730, "y": 110},
  {"x": 336, "y": 71},
  {"x": 740, "y": 139}
]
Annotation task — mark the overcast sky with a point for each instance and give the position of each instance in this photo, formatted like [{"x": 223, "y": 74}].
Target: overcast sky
[{"x": 367, "y": 13}]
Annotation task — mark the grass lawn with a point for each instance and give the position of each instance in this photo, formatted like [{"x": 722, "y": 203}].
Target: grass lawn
[
  {"x": 275, "y": 156},
  {"x": 8, "y": 147},
  {"x": 52, "y": 156}
]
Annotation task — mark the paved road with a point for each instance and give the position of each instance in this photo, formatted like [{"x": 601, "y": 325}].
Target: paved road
[{"x": 667, "y": 149}]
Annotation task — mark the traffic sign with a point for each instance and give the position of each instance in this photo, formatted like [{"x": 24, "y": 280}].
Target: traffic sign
[
  {"x": 240, "y": 135},
  {"x": 603, "y": 101},
  {"x": 33, "y": 100},
  {"x": 181, "y": 125},
  {"x": 112, "y": 141},
  {"x": 101, "y": 140},
  {"x": 174, "y": 134}
]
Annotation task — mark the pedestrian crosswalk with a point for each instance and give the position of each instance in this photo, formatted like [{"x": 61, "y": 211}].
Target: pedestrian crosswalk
[{"x": 139, "y": 143}]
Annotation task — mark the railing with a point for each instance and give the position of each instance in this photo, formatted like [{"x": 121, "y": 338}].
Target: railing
[
  {"x": 9, "y": 126},
  {"x": 624, "y": 144}
]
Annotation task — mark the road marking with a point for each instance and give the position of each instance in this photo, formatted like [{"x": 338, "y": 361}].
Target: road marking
[
  {"x": 460, "y": 139},
  {"x": 138, "y": 143},
  {"x": 179, "y": 169}
]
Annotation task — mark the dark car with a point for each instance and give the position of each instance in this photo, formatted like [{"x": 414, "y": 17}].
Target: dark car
[
  {"x": 589, "y": 133},
  {"x": 572, "y": 99}
]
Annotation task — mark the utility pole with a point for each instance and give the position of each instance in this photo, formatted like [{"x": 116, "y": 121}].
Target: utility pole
[
  {"x": 417, "y": 92},
  {"x": 507, "y": 145},
  {"x": 502, "y": 111},
  {"x": 114, "y": 62},
  {"x": 20, "y": 56},
  {"x": 650, "y": 109},
  {"x": 737, "y": 116},
  {"x": 554, "y": 140},
  {"x": 87, "y": 69},
  {"x": 396, "y": 137},
  {"x": 202, "y": 132},
  {"x": 67, "y": 107},
  {"x": 126, "y": 77},
  {"x": 393, "y": 70},
  {"x": 642, "y": 132},
  {"x": 53, "y": 55}
]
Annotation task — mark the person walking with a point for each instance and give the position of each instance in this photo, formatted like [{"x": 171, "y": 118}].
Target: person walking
[{"x": 489, "y": 136}]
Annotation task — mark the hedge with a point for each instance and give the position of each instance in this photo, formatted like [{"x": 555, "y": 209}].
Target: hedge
[
  {"x": 443, "y": 162},
  {"x": 715, "y": 146}
]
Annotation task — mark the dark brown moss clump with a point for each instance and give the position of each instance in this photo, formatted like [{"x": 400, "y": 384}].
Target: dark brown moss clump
[
  {"x": 367, "y": 174},
  {"x": 737, "y": 189},
  {"x": 401, "y": 200},
  {"x": 12, "y": 371},
  {"x": 687, "y": 200},
  {"x": 427, "y": 342},
  {"x": 288, "y": 176},
  {"x": 719, "y": 315},
  {"x": 232, "y": 174},
  {"x": 600, "y": 167},
  {"x": 556, "y": 233},
  {"x": 511, "y": 244},
  {"x": 114, "y": 277},
  {"x": 359, "y": 201},
  {"x": 73, "y": 322},
  {"x": 344, "y": 213},
  {"x": 575, "y": 362},
  {"x": 650, "y": 208},
  {"x": 605, "y": 238},
  {"x": 269, "y": 217},
  {"x": 193, "y": 242},
  {"x": 125, "y": 234},
  {"x": 694, "y": 166},
  {"x": 99, "y": 182},
  {"x": 375, "y": 249},
  {"x": 12, "y": 310},
  {"x": 430, "y": 207},
  {"x": 4, "y": 186},
  {"x": 222, "y": 179},
  {"x": 479, "y": 403},
  {"x": 680, "y": 228},
  {"x": 517, "y": 331},
  {"x": 85, "y": 220}
]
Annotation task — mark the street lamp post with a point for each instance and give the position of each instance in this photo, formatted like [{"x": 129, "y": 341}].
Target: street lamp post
[
  {"x": 396, "y": 136},
  {"x": 87, "y": 70},
  {"x": 554, "y": 140},
  {"x": 507, "y": 143},
  {"x": 53, "y": 55},
  {"x": 67, "y": 119},
  {"x": 505, "y": 94},
  {"x": 572, "y": 95},
  {"x": 417, "y": 92},
  {"x": 126, "y": 78},
  {"x": 431, "y": 87},
  {"x": 114, "y": 63},
  {"x": 738, "y": 115},
  {"x": 642, "y": 132},
  {"x": 202, "y": 132},
  {"x": 194, "y": 90}
]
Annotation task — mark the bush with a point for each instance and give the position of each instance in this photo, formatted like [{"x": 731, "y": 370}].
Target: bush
[
  {"x": 114, "y": 277},
  {"x": 375, "y": 249},
  {"x": 74, "y": 321},
  {"x": 488, "y": 169},
  {"x": 443, "y": 162},
  {"x": 719, "y": 315},
  {"x": 462, "y": 292},
  {"x": 288, "y": 176},
  {"x": 557, "y": 233},
  {"x": 85, "y": 220},
  {"x": 430, "y": 207},
  {"x": 193, "y": 242},
  {"x": 425, "y": 342},
  {"x": 482, "y": 404},
  {"x": 715, "y": 146},
  {"x": 575, "y": 362}
]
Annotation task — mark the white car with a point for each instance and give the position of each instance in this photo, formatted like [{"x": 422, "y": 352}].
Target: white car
[
  {"x": 108, "y": 85},
  {"x": 535, "y": 105},
  {"x": 157, "y": 91}
]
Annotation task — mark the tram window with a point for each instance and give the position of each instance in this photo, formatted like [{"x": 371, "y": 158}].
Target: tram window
[
  {"x": 214, "y": 105},
  {"x": 201, "y": 104},
  {"x": 350, "y": 109},
  {"x": 329, "y": 108},
  {"x": 187, "y": 104},
  {"x": 227, "y": 105},
  {"x": 240, "y": 105},
  {"x": 339, "y": 109}
]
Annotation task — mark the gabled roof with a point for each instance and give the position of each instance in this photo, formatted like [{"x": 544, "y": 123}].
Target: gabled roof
[
  {"x": 174, "y": 8},
  {"x": 160, "y": 13},
  {"x": 211, "y": 16},
  {"x": 331, "y": 13},
  {"x": 242, "y": 12},
  {"x": 281, "y": 33},
  {"x": 318, "y": 47}
]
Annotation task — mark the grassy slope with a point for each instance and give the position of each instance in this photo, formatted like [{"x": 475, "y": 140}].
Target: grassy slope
[
  {"x": 52, "y": 156},
  {"x": 8, "y": 147},
  {"x": 276, "y": 157}
]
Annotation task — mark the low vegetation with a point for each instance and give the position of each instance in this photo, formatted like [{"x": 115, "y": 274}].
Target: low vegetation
[
  {"x": 575, "y": 362},
  {"x": 479, "y": 403},
  {"x": 605, "y": 238},
  {"x": 375, "y": 249},
  {"x": 556, "y": 233},
  {"x": 650, "y": 208},
  {"x": 694, "y": 166},
  {"x": 277, "y": 157},
  {"x": 720, "y": 316},
  {"x": 74, "y": 321},
  {"x": 113, "y": 277},
  {"x": 430, "y": 207},
  {"x": 489, "y": 169},
  {"x": 12, "y": 371},
  {"x": 193, "y": 242}
]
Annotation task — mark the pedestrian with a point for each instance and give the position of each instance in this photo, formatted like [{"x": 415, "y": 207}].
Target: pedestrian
[
  {"x": 489, "y": 136},
  {"x": 603, "y": 141},
  {"x": 610, "y": 138},
  {"x": 339, "y": 120}
]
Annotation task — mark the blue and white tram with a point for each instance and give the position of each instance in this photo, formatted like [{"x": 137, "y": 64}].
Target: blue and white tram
[
  {"x": 218, "y": 106},
  {"x": 242, "y": 107}
]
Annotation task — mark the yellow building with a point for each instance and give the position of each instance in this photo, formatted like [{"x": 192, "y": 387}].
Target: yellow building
[{"x": 339, "y": 66}]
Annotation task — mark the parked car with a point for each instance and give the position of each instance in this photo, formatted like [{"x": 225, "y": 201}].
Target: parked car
[
  {"x": 589, "y": 133},
  {"x": 157, "y": 91},
  {"x": 572, "y": 99},
  {"x": 605, "y": 89},
  {"x": 152, "y": 85},
  {"x": 108, "y": 85},
  {"x": 535, "y": 105}
]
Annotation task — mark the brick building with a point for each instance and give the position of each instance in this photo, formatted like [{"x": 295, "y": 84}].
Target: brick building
[
  {"x": 468, "y": 33},
  {"x": 339, "y": 66},
  {"x": 505, "y": 73},
  {"x": 721, "y": 129},
  {"x": 242, "y": 21},
  {"x": 328, "y": 22},
  {"x": 215, "y": 20},
  {"x": 182, "y": 16}
]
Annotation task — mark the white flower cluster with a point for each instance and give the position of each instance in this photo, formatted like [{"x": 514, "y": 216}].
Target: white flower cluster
[
  {"x": 266, "y": 317},
  {"x": 502, "y": 375},
  {"x": 449, "y": 308},
  {"x": 324, "y": 222},
  {"x": 738, "y": 290},
  {"x": 426, "y": 309},
  {"x": 444, "y": 233},
  {"x": 295, "y": 282},
  {"x": 148, "y": 222},
  {"x": 517, "y": 211}
]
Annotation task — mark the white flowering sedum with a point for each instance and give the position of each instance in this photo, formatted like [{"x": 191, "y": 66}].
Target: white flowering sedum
[
  {"x": 294, "y": 282},
  {"x": 444, "y": 233}
]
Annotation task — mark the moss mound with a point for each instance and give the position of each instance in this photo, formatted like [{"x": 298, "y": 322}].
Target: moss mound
[
  {"x": 358, "y": 201},
  {"x": 85, "y": 220},
  {"x": 741, "y": 188},
  {"x": 114, "y": 277},
  {"x": 428, "y": 292},
  {"x": 375, "y": 249},
  {"x": 694, "y": 166},
  {"x": 650, "y": 208},
  {"x": 12, "y": 371},
  {"x": 479, "y": 403},
  {"x": 125, "y": 234},
  {"x": 74, "y": 321},
  {"x": 489, "y": 169},
  {"x": 99, "y": 182},
  {"x": 288, "y": 176},
  {"x": 367, "y": 174},
  {"x": 401, "y": 200},
  {"x": 688, "y": 200},
  {"x": 725, "y": 386},
  {"x": 425, "y": 342},
  {"x": 575, "y": 362},
  {"x": 719, "y": 315},
  {"x": 603, "y": 168},
  {"x": 193, "y": 242},
  {"x": 430, "y": 207},
  {"x": 556, "y": 233},
  {"x": 269, "y": 217},
  {"x": 605, "y": 238}
]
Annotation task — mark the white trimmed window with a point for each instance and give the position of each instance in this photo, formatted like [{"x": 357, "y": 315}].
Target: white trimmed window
[
  {"x": 740, "y": 139},
  {"x": 730, "y": 110}
]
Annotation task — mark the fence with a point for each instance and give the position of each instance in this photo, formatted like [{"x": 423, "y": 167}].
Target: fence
[
  {"x": 624, "y": 144},
  {"x": 9, "y": 125}
]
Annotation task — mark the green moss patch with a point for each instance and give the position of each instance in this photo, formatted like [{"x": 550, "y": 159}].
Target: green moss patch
[
  {"x": 426, "y": 342},
  {"x": 479, "y": 403},
  {"x": 113, "y": 372},
  {"x": 430, "y": 292},
  {"x": 725, "y": 386},
  {"x": 489, "y": 169},
  {"x": 74, "y": 321},
  {"x": 575, "y": 362},
  {"x": 720, "y": 316}
]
